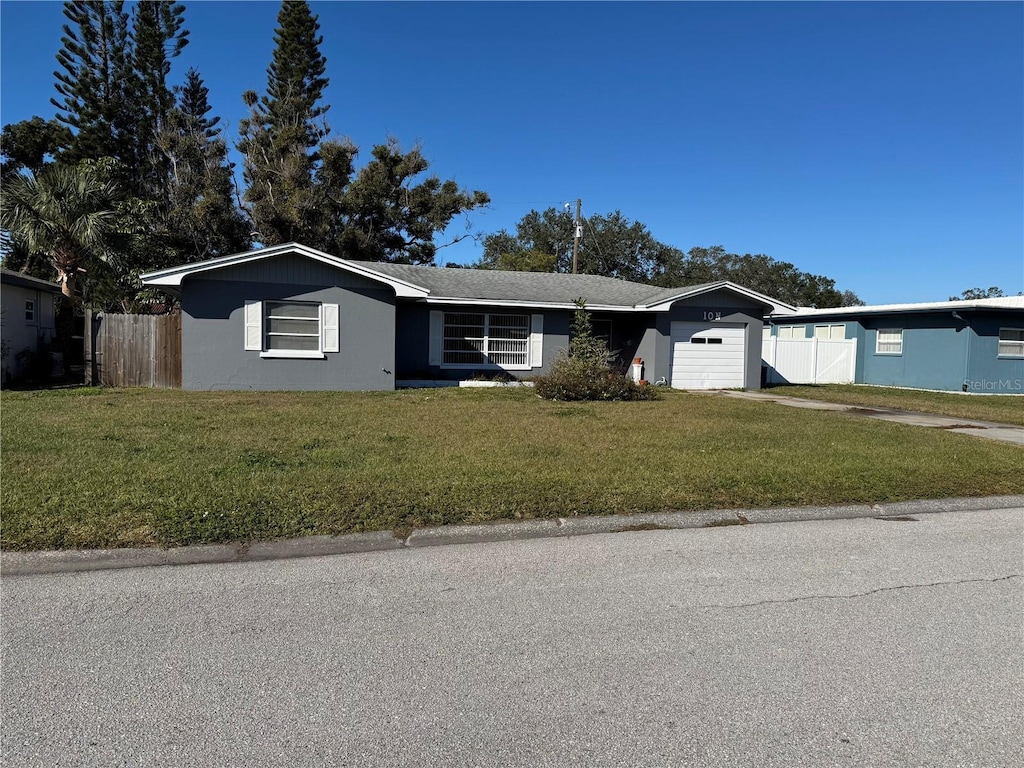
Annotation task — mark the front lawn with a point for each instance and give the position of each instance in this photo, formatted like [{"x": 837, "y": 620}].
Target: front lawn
[
  {"x": 113, "y": 468},
  {"x": 1004, "y": 409}
]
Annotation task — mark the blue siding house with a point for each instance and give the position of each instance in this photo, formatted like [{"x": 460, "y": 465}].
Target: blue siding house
[{"x": 963, "y": 346}]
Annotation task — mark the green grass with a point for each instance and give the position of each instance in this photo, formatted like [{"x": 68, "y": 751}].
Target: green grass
[
  {"x": 1005, "y": 409},
  {"x": 112, "y": 468}
]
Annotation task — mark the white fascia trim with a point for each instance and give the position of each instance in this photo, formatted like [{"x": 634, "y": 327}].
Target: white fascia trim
[
  {"x": 172, "y": 277},
  {"x": 778, "y": 307},
  {"x": 484, "y": 303},
  {"x": 881, "y": 309}
]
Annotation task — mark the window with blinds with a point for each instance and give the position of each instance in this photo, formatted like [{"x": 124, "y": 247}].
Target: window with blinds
[
  {"x": 476, "y": 339},
  {"x": 1011, "y": 342},
  {"x": 889, "y": 341}
]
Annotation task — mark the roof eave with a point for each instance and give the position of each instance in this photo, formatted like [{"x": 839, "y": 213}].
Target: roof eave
[
  {"x": 665, "y": 305},
  {"x": 10, "y": 277},
  {"x": 890, "y": 310},
  {"x": 171, "y": 278},
  {"x": 476, "y": 301}
]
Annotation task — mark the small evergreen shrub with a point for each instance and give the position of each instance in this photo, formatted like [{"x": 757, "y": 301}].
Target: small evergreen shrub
[{"x": 584, "y": 370}]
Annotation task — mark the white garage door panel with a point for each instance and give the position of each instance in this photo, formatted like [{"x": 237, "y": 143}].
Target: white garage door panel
[{"x": 702, "y": 365}]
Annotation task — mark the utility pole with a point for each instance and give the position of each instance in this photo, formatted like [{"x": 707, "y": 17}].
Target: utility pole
[{"x": 576, "y": 236}]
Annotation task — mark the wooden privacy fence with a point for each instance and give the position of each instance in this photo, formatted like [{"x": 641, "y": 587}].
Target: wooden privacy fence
[{"x": 133, "y": 350}]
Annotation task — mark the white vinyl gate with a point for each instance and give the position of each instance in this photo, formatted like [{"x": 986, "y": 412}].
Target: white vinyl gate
[
  {"x": 810, "y": 361},
  {"x": 708, "y": 355}
]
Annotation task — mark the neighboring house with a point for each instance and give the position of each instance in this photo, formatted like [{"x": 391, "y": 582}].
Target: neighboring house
[
  {"x": 968, "y": 346},
  {"x": 290, "y": 317},
  {"x": 26, "y": 321}
]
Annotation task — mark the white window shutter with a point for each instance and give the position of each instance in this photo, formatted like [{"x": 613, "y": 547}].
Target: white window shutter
[
  {"x": 436, "y": 337},
  {"x": 329, "y": 327},
  {"x": 254, "y": 325},
  {"x": 537, "y": 341}
]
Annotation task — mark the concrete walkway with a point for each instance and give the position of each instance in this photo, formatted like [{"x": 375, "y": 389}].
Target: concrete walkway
[{"x": 1006, "y": 433}]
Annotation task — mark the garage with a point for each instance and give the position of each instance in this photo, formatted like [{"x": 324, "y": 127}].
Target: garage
[{"x": 708, "y": 355}]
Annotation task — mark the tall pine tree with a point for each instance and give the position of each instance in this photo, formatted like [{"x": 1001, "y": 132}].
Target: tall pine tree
[
  {"x": 157, "y": 37},
  {"x": 302, "y": 186},
  {"x": 115, "y": 96},
  {"x": 281, "y": 137},
  {"x": 94, "y": 82},
  {"x": 202, "y": 221}
]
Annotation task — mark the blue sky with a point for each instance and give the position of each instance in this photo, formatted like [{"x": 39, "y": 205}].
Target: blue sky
[{"x": 880, "y": 144}]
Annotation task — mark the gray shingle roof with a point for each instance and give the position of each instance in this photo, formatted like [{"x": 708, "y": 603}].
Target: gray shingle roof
[
  {"x": 529, "y": 287},
  {"x": 476, "y": 285}
]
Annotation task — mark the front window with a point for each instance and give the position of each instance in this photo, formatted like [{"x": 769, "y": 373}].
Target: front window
[
  {"x": 480, "y": 339},
  {"x": 1011, "y": 342},
  {"x": 292, "y": 326},
  {"x": 30, "y": 311},
  {"x": 889, "y": 342}
]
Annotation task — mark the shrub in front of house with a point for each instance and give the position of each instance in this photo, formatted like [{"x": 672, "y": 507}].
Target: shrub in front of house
[
  {"x": 571, "y": 380},
  {"x": 584, "y": 370}
]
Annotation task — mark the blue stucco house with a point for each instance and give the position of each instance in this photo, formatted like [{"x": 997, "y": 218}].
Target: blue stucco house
[
  {"x": 963, "y": 346},
  {"x": 290, "y": 317}
]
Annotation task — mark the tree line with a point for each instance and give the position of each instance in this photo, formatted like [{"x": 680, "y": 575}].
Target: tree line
[
  {"x": 133, "y": 174},
  {"x": 614, "y": 246}
]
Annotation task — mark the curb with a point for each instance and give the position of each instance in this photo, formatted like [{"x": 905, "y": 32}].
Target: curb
[{"x": 69, "y": 561}]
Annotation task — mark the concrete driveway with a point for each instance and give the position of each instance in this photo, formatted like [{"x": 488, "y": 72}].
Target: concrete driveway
[{"x": 1005, "y": 433}]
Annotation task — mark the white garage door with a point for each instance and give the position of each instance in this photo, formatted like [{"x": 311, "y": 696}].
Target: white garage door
[{"x": 708, "y": 356}]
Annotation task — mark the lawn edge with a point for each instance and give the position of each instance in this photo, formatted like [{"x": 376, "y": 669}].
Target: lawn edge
[{"x": 69, "y": 561}]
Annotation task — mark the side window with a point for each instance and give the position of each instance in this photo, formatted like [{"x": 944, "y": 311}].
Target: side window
[
  {"x": 291, "y": 328},
  {"x": 889, "y": 341},
  {"x": 30, "y": 311},
  {"x": 1011, "y": 342}
]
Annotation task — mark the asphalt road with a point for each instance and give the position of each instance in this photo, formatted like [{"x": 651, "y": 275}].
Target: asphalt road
[{"x": 838, "y": 643}]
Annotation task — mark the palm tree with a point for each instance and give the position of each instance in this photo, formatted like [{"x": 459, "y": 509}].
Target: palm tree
[{"x": 67, "y": 213}]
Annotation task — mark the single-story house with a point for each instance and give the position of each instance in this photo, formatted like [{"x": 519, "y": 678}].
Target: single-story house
[
  {"x": 26, "y": 321},
  {"x": 963, "y": 346},
  {"x": 290, "y": 317}
]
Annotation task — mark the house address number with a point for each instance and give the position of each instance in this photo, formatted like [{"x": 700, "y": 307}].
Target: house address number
[{"x": 713, "y": 314}]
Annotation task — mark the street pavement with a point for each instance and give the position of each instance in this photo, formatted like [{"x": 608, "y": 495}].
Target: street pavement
[{"x": 858, "y": 642}]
